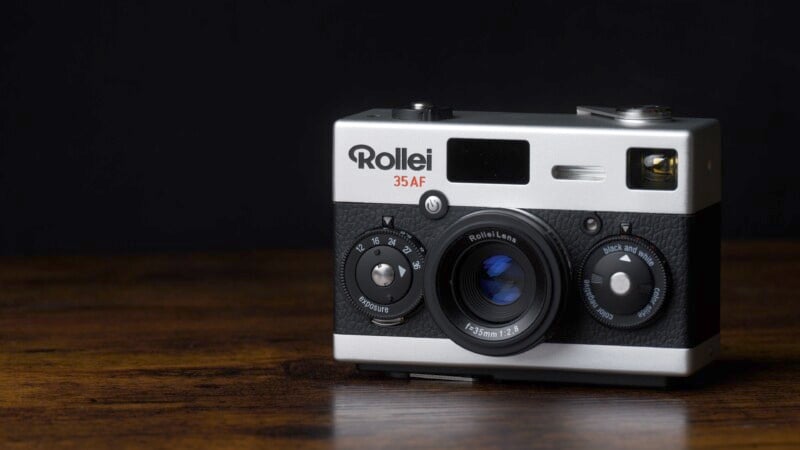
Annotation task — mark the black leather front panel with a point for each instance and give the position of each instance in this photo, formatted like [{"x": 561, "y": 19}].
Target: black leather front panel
[{"x": 690, "y": 244}]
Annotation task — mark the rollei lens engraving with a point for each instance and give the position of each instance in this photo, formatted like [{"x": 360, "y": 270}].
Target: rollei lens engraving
[
  {"x": 491, "y": 234},
  {"x": 366, "y": 157}
]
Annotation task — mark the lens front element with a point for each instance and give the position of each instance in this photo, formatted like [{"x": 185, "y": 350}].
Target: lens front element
[
  {"x": 494, "y": 281},
  {"x": 501, "y": 280}
]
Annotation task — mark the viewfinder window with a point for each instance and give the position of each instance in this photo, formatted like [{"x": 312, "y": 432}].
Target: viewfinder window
[
  {"x": 652, "y": 168},
  {"x": 493, "y": 161}
]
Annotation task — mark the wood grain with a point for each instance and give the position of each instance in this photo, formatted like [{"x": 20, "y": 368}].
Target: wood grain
[{"x": 234, "y": 351}]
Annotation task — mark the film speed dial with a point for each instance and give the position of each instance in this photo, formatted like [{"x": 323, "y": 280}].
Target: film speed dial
[
  {"x": 623, "y": 281},
  {"x": 382, "y": 274}
]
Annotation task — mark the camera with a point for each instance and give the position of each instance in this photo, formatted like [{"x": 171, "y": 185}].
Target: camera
[{"x": 558, "y": 247}]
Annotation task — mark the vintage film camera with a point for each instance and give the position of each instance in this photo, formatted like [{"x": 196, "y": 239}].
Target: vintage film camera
[{"x": 561, "y": 247}]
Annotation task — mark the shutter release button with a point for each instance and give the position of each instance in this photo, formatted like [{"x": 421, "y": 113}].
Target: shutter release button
[
  {"x": 422, "y": 112},
  {"x": 433, "y": 204}
]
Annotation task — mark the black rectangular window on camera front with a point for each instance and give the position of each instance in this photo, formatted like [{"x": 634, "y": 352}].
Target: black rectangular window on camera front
[{"x": 494, "y": 161}]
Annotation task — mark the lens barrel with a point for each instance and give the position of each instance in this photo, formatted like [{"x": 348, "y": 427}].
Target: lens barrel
[{"x": 495, "y": 284}]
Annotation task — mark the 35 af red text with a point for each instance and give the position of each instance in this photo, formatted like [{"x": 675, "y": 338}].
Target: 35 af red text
[{"x": 406, "y": 181}]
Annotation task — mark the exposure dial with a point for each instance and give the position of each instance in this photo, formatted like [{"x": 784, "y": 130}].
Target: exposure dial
[
  {"x": 624, "y": 281},
  {"x": 382, "y": 273}
]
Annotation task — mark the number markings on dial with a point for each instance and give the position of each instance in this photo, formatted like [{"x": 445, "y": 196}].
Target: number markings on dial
[{"x": 384, "y": 301}]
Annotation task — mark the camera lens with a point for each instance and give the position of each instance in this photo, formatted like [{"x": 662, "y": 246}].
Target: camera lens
[
  {"x": 501, "y": 280},
  {"x": 494, "y": 284}
]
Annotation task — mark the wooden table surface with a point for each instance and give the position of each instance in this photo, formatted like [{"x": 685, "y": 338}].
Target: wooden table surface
[{"x": 233, "y": 350}]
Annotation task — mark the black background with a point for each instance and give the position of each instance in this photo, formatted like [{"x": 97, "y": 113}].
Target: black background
[{"x": 207, "y": 125}]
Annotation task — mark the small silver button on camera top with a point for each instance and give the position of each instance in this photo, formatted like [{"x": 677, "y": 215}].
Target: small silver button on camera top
[
  {"x": 645, "y": 112},
  {"x": 629, "y": 114},
  {"x": 422, "y": 112},
  {"x": 383, "y": 274}
]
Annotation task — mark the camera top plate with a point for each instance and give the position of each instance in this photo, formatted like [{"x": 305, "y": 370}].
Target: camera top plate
[{"x": 382, "y": 159}]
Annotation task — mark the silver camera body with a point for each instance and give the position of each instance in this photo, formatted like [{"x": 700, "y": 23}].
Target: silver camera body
[{"x": 565, "y": 247}]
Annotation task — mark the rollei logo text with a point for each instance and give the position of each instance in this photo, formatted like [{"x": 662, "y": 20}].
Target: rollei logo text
[{"x": 365, "y": 156}]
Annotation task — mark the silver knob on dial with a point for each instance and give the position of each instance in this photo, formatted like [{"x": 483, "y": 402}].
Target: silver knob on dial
[
  {"x": 620, "y": 283},
  {"x": 383, "y": 274}
]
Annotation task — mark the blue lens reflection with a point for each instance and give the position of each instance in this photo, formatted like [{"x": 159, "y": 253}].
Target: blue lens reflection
[{"x": 501, "y": 279}]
